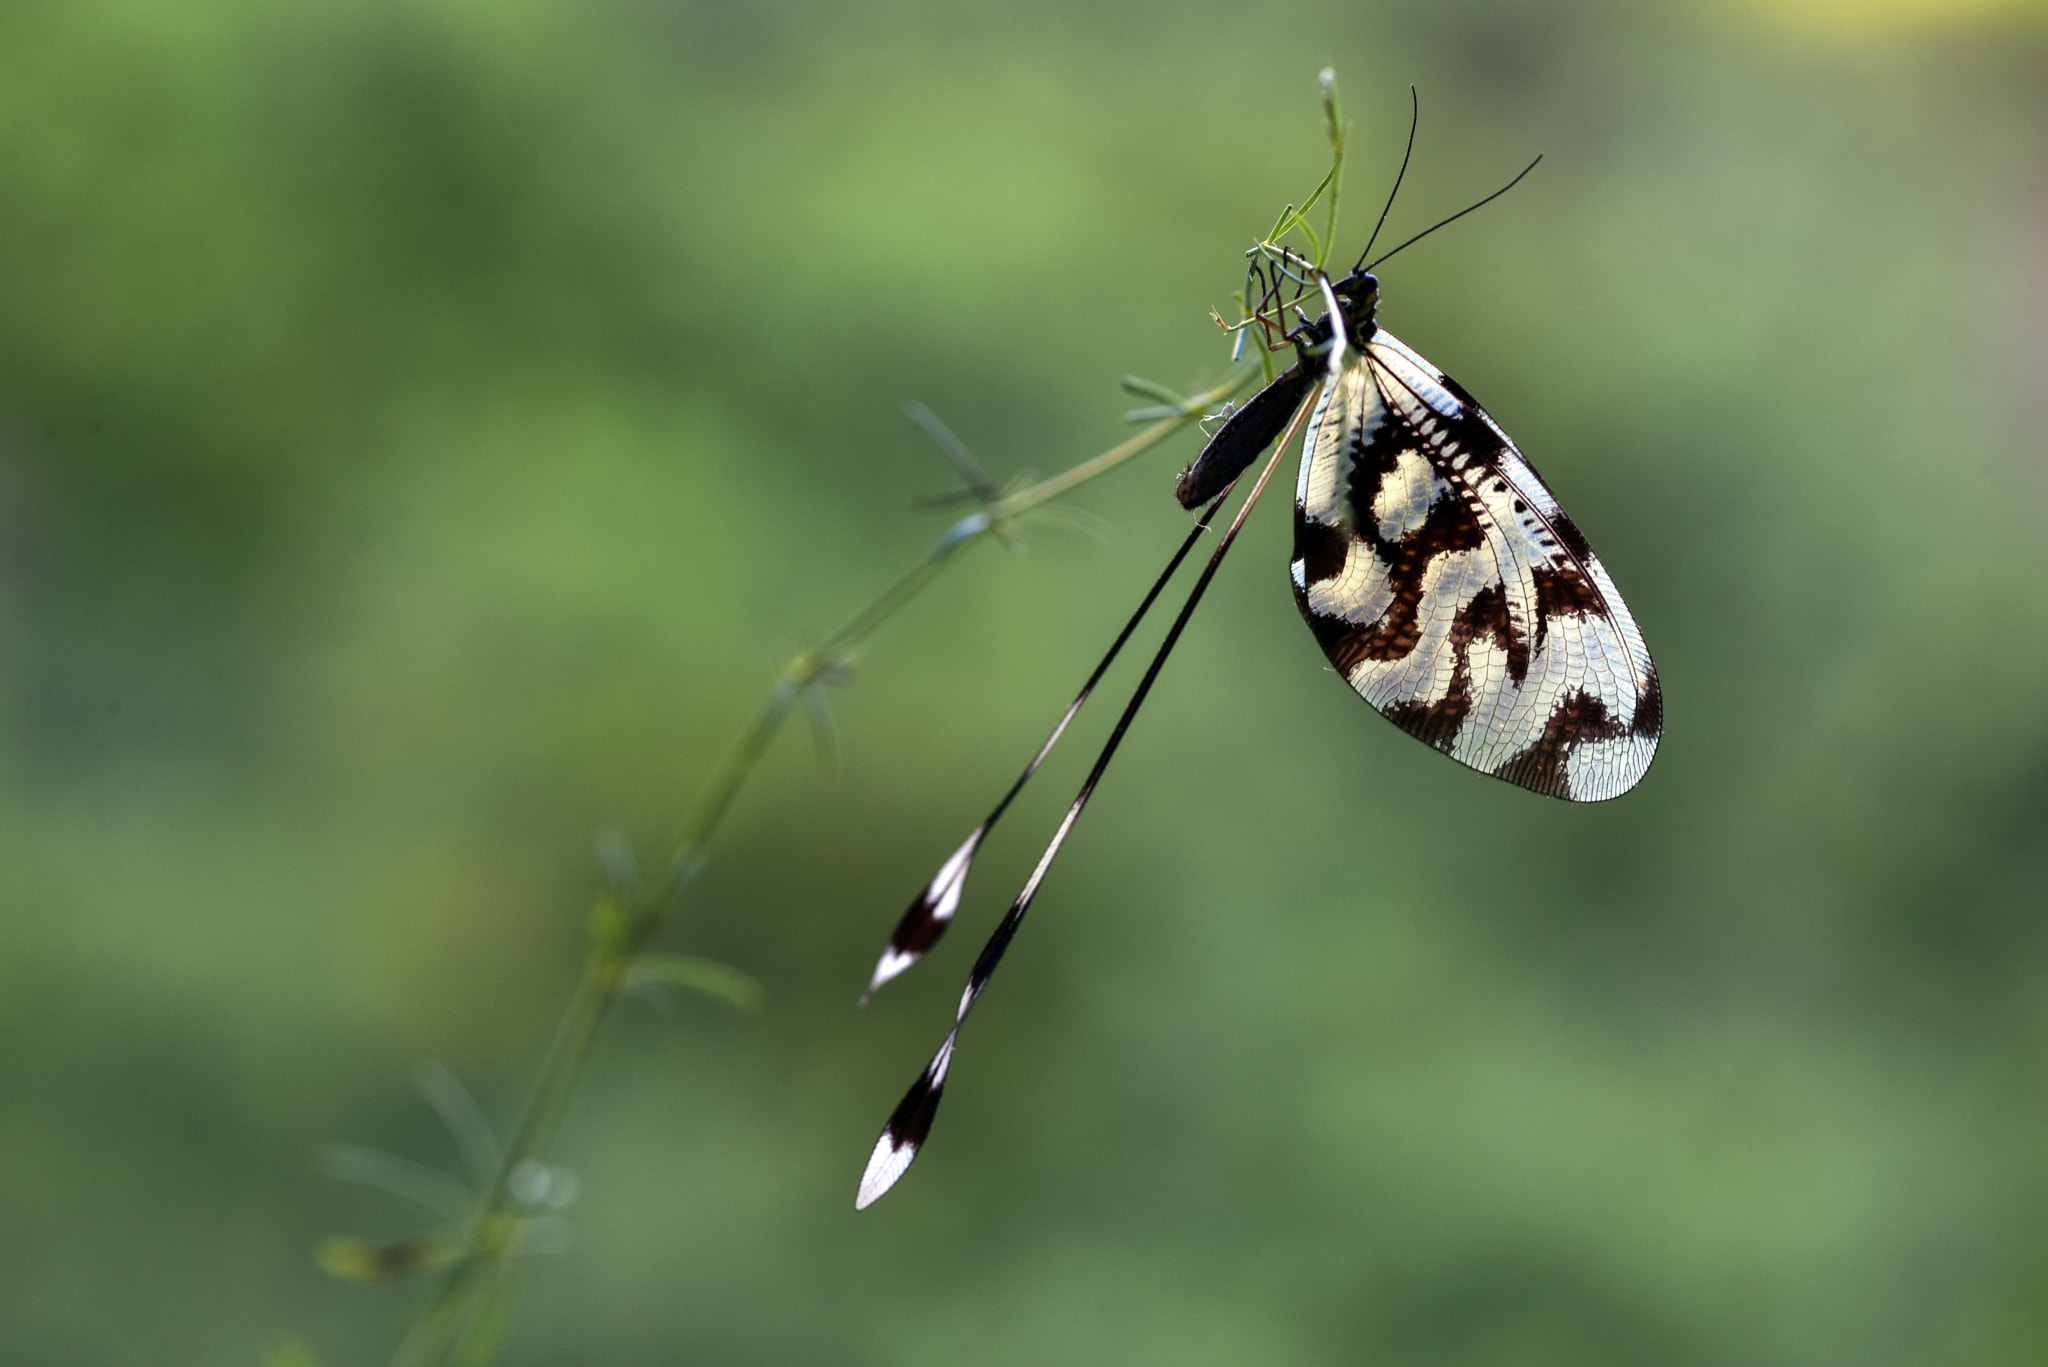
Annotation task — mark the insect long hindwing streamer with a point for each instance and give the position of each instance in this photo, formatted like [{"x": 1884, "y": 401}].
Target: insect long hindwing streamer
[
  {"x": 931, "y": 912},
  {"x": 911, "y": 1121}
]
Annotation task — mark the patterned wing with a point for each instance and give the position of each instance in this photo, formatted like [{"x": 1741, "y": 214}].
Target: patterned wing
[{"x": 1447, "y": 585}]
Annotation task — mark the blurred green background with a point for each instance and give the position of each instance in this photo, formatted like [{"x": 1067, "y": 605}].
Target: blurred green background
[{"x": 425, "y": 423}]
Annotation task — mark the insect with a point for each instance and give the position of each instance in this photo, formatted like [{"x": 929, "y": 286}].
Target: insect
[{"x": 1431, "y": 562}]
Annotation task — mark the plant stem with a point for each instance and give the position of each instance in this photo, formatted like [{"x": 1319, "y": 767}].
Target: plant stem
[{"x": 460, "y": 1319}]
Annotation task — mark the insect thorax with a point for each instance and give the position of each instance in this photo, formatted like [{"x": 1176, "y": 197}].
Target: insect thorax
[{"x": 1359, "y": 293}]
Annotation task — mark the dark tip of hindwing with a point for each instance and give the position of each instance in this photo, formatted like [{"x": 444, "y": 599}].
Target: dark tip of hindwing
[
  {"x": 929, "y": 915},
  {"x": 908, "y": 1125}
]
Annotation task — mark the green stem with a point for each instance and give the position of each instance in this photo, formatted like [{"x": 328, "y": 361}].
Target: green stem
[{"x": 451, "y": 1323}]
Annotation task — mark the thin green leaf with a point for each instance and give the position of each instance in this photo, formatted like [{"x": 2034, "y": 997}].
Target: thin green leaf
[
  {"x": 824, "y": 732},
  {"x": 1292, "y": 217},
  {"x": 465, "y": 1120},
  {"x": 1152, "y": 389},
  {"x": 1324, "y": 184},
  {"x": 1326, "y": 81},
  {"x": 1011, "y": 535},
  {"x": 615, "y": 858},
  {"x": 1080, "y": 519},
  {"x": 971, "y": 473},
  {"x": 720, "y": 982},
  {"x": 1315, "y": 243},
  {"x": 429, "y": 1188}
]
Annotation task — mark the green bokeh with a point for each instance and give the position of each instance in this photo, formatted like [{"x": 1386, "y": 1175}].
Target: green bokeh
[{"x": 423, "y": 423}]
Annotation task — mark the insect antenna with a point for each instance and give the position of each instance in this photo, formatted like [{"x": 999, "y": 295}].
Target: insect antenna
[
  {"x": 911, "y": 1122},
  {"x": 1414, "y": 117},
  {"x": 1456, "y": 216},
  {"x": 931, "y": 913}
]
